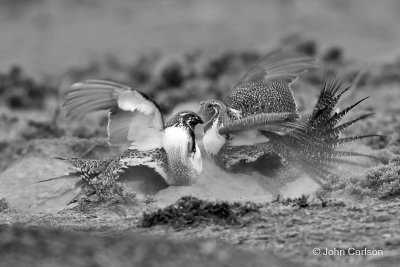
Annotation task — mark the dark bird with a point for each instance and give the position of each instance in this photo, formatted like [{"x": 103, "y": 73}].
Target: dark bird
[
  {"x": 258, "y": 128},
  {"x": 164, "y": 151}
]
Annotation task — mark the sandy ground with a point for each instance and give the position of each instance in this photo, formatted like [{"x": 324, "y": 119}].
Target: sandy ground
[{"x": 281, "y": 233}]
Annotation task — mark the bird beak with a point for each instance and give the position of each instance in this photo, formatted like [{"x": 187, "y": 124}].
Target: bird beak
[
  {"x": 201, "y": 117},
  {"x": 199, "y": 120}
]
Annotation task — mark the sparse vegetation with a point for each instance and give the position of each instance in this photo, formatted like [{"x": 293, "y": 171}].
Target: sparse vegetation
[
  {"x": 385, "y": 179},
  {"x": 190, "y": 212},
  {"x": 301, "y": 202},
  {"x": 19, "y": 91},
  {"x": 112, "y": 193},
  {"x": 382, "y": 182},
  {"x": 3, "y": 204}
]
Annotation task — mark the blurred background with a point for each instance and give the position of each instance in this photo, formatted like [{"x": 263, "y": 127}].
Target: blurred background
[
  {"x": 178, "y": 49},
  {"x": 50, "y": 36}
]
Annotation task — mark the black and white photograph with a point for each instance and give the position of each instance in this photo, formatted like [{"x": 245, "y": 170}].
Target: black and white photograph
[{"x": 199, "y": 133}]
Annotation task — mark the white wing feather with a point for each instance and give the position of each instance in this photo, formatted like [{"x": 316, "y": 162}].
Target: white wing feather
[{"x": 133, "y": 117}]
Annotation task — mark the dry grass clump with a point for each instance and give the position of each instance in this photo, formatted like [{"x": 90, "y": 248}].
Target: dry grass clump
[
  {"x": 3, "y": 204},
  {"x": 301, "y": 202},
  {"x": 105, "y": 194},
  {"x": 385, "y": 179},
  {"x": 190, "y": 211},
  {"x": 380, "y": 182}
]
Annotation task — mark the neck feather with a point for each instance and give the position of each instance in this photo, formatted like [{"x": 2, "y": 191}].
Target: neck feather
[{"x": 184, "y": 158}]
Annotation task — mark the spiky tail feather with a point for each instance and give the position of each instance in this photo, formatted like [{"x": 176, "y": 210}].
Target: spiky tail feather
[
  {"x": 84, "y": 169},
  {"x": 66, "y": 176},
  {"x": 312, "y": 145},
  {"x": 75, "y": 190},
  {"x": 70, "y": 175}
]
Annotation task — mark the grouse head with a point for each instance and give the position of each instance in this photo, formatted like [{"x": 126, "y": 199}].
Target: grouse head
[{"x": 185, "y": 119}]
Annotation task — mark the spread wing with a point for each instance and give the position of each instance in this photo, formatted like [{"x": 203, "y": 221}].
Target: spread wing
[
  {"x": 133, "y": 116},
  {"x": 279, "y": 65},
  {"x": 264, "y": 121},
  {"x": 263, "y": 97},
  {"x": 266, "y": 86}
]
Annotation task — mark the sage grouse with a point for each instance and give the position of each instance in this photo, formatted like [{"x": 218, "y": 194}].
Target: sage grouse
[
  {"x": 258, "y": 128},
  {"x": 164, "y": 150}
]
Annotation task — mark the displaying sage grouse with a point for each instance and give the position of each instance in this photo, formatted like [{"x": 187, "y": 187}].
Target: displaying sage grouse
[
  {"x": 257, "y": 128},
  {"x": 157, "y": 150}
]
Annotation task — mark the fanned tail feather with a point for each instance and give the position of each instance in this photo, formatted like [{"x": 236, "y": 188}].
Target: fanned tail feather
[
  {"x": 346, "y": 140},
  {"x": 340, "y": 115},
  {"x": 340, "y": 128},
  {"x": 312, "y": 145}
]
